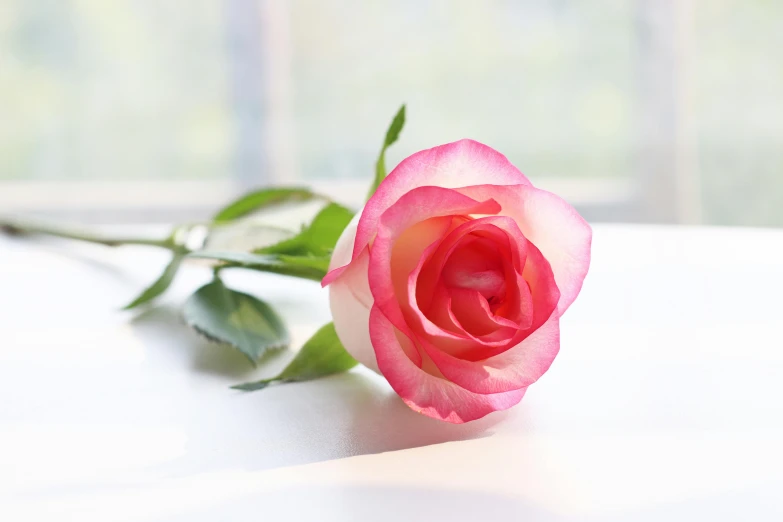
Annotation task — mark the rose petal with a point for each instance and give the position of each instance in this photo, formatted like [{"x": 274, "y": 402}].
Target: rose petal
[
  {"x": 423, "y": 288},
  {"x": 411, "y": 246},
  {"x": 439, "y": 314},
  {"x": 350, "y": 299},
  {"x": 343, "y": 252},
  {"x": 545, "y": 296},
  {"x": 458, "y": 164},
  {"x": 500, "y": 229},
  {"x": 515, "y": 368},
  {"x": 472, "y": 268},
  {"x": 351, "y": 317},
  {"x": 414, "y": 207},
  {"x": 445, "y": 330},
  {"x": 471, "y": 310},
  {"x": 425, "y": 393},
  {"x": 547, "y": 221}
]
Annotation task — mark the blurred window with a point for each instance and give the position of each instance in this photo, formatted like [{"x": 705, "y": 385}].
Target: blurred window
[{"x": 153, "y": 110}]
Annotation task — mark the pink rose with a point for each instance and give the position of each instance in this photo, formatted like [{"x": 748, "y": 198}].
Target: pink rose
[{"x": 452, "y": 280}]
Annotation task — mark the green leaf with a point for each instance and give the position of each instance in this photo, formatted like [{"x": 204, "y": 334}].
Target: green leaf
[
  {"x": 320, "y": 263},
  {"x": 244, "y": 235},
  {"x": 240, "y": 320},
  {"x": 322, "y": 355},
  {"x": 296, "y": 266},
  {"x": 318, "y": 238},
  {"x": 264, "y": 198},
  {"x": 160, "y": 285},
  {"x": 391, "y": 136}
]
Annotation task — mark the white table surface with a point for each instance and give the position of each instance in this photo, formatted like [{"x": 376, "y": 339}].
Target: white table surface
[{"x": 665, "y": 403}]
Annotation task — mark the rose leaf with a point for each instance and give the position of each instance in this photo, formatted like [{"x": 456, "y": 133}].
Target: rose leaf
[
  {"x": 264, "y": 198},
  {"x": 392, "y": 134},
  {"x": 160, "y": 285},
  {"x": 305, "y": 267},
  {"x": 318, "y": 238},
  {"x": 240, "y": 320},
  {"x": 322, "y": 355}
]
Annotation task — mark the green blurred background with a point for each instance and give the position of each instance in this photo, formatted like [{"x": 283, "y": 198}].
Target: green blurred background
[{"x": 156, "y": 110}]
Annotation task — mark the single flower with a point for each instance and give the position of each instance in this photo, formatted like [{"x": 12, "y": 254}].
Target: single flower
[{"x": 452, "y": 280}]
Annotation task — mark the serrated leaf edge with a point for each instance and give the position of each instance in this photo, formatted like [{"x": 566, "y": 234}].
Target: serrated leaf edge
[{"x": 212, "y": 338}]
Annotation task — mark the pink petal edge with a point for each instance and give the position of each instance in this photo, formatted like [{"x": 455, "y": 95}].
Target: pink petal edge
[
  {"x": 425, "y": 393},
  {"x": 457, "y": 164},
  {"x": 551, "y": 224}
]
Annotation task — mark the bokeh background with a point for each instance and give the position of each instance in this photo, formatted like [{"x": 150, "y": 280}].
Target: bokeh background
[{"x": 665, "y": 111}]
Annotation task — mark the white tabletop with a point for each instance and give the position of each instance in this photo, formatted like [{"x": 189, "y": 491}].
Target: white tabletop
[{"x": 665, "y": 402}]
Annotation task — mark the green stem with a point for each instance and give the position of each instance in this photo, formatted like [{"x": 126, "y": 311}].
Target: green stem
[{"x": 24, "y": 229}]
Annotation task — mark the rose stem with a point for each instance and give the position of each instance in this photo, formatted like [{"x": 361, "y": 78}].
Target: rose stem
[{"x": 24, "y": 229}]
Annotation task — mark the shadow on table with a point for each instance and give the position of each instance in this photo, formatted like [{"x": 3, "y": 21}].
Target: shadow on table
[
  {"x": 187, "y": 347},
  {"x": 349, "y": 414},
  {"x": 382, "y": 422}
]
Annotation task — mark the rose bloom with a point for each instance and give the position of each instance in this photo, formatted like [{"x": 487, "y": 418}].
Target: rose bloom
[{"x": 452, "y": 280}]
